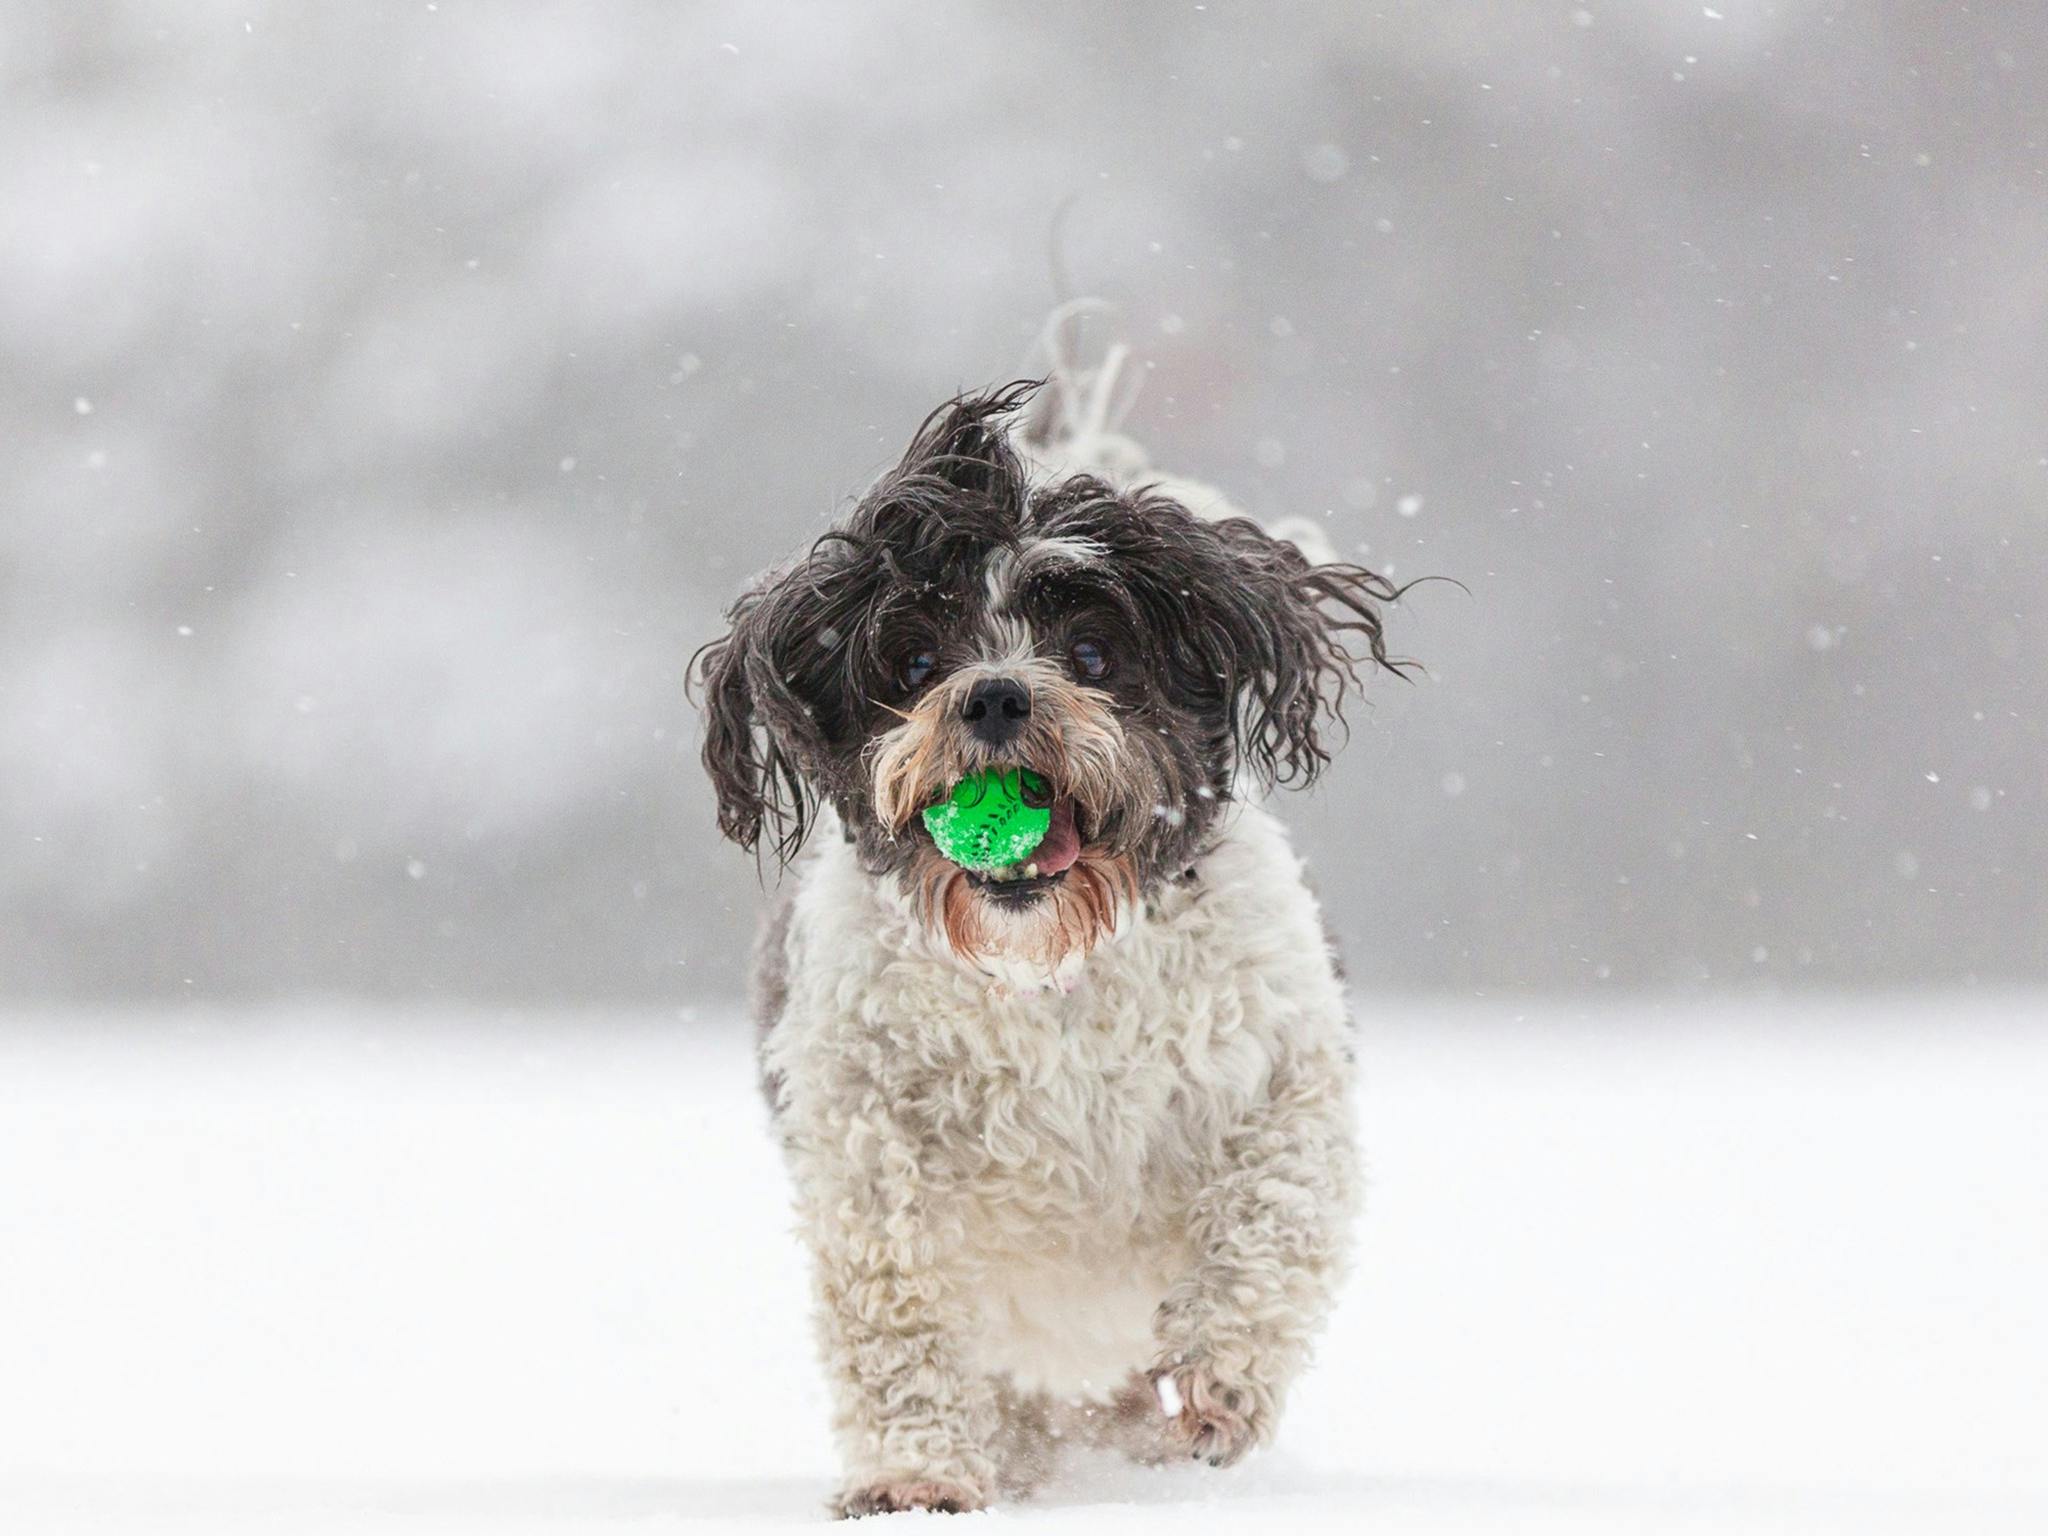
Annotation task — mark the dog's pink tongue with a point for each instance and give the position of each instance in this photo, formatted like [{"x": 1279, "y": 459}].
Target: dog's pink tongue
[{"x": 1061, "y": 844}]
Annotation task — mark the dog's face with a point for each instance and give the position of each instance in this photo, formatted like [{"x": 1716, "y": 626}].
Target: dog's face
[{"x": 1136, "y": 658}]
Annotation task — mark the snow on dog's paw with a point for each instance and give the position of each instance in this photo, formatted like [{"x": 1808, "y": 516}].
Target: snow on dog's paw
[
  {"x": 898, "y": 1498},
  {"x": 1210, "y": 1419}
]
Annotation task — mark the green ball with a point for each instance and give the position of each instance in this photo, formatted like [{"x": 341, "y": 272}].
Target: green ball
[{"x": 985, "y": 824}]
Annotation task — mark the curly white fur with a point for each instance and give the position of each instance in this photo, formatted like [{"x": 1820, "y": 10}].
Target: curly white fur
[{"x": 1020, "y": 1198}]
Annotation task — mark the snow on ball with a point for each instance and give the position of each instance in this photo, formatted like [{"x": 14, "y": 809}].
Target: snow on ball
[{"x": 992, "y": 819}]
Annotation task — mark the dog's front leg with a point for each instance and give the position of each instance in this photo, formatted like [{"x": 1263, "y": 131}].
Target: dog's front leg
[
  {"x": 1269, "y": 1233},
  {"x": 916, "y": 1419}
]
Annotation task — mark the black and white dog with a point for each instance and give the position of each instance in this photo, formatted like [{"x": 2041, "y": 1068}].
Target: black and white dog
[{"x": 1072, "y": 1143}]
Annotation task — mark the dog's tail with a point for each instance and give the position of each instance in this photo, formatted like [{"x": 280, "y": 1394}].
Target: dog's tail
[{"x": 1073, "y": 424}]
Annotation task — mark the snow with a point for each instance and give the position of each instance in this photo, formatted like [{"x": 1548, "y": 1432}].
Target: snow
[
  {"x": 1170, "y": 1402},
  {"x": 1774, "y": 1267}
]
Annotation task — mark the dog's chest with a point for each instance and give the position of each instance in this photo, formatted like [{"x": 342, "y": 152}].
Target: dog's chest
[
  {"x": 1089, "y": 1117},
  {"x": 1049, "y": 1121},
  {"x": 1056, "y": 1125}
]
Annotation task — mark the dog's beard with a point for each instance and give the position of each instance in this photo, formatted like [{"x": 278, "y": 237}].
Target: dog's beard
[
  {"x": 1069, "y": 918},
  {"x": 1074, "y": 741}
]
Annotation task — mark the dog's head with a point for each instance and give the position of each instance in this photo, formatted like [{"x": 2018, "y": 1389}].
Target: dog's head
[{"x": 1145, "y": 663}]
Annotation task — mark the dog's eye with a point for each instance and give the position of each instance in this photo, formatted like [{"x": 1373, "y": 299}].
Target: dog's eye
[
  {"x": 1091, "y": 661},
  {"x": 916, "y": 669}
]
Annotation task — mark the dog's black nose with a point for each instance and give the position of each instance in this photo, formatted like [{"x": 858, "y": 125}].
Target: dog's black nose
[{"x": 996, "y": 710}]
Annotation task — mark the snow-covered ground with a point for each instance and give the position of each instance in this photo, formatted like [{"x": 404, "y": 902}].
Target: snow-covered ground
[{"x": 1772, "y": 1268}]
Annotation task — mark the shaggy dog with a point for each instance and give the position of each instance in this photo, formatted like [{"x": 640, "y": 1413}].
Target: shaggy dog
[{"x": 1072, "y": 1143}]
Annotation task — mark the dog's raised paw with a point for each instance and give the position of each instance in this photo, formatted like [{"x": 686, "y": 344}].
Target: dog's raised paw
[
  {"x": 1208, "y": 1418},
  {"x": 899, "y": 1498}
]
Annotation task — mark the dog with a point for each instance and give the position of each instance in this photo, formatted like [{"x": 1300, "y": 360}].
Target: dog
[{"x": 1072, "y": 1143}]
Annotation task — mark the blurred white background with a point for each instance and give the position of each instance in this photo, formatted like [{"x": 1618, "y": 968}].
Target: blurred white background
[{"x": 393, "y": 395}]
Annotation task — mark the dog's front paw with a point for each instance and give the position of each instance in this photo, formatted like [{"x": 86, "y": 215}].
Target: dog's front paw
[
  {"x": 895, "y": 1498},
  {"x": 1210, "y": 1416}
]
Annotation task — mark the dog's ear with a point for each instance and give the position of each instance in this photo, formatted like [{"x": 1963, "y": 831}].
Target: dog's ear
[
  {"x": 755, "y": 773},
  {"x": 1288, "y": 661},
  {"x": 965, "y": 443}
]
